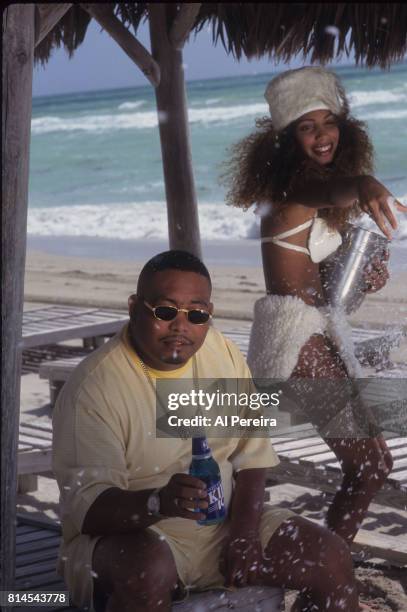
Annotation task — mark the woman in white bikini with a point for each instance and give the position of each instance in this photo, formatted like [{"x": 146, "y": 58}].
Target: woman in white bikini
[{"x": 308, "y": 169}]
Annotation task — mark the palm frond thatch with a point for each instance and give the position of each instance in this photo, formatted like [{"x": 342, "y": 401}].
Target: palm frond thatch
[
  {"x": 375, "y": 32},
  {"x": 69, "y": 32}
]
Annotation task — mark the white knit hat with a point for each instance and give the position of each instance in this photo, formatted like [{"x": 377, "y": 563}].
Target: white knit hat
[{"x": 293, "y": 93}]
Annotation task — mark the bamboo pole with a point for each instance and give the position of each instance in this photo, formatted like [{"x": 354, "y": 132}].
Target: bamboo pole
[
  {"x": 129, "y": 43},
  {"x": 183, "y": 224},
  {"x": 183, "y": 23},
  {"x": 18, "y": 49},
  {"x": 46, "y": 17}
]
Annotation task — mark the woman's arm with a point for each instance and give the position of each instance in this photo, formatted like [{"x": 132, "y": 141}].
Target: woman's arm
[{"x": 365, "y": 191}]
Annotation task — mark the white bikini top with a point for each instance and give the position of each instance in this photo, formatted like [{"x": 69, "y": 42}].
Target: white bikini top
[{"x": 322, "y": 240}]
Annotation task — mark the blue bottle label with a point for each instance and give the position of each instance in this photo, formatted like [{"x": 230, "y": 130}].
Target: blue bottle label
[{"x": 216, "y": 500}]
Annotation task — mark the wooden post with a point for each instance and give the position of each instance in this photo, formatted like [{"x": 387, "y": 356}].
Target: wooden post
[
  {"x": 46, "y": 18},
  {"x": 183, "y": 23},
  {"x": 18, "y": 47},
  {"x": 103, "y": 13},
  {"x": 183, "y": 224}
]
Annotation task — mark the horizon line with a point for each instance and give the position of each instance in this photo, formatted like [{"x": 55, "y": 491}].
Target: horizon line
[{"x": 192, "y": 80}]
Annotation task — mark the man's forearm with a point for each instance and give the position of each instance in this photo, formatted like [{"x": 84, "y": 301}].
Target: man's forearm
[
  {"x": 118, "y": 511},
  {"x": 248, "y": 501}
]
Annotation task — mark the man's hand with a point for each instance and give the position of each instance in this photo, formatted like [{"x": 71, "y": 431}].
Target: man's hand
[
  {"x": 241, "y": 559},
  {"x": 184, "y": 496},
  {"x": 376, "y": 274},
  {"x": 374, "y": 200}
]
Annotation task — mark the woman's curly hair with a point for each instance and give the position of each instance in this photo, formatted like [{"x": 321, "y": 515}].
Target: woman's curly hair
[{"x": 267, "y": 167}]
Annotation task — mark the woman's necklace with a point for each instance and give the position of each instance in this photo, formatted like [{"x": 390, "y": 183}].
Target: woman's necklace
[{"x": 147, "y": 374}]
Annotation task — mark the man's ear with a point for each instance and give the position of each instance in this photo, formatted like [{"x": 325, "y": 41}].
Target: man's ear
[
  {"x": 132, "y": 301},
  {"x": 210, "y": 308}
]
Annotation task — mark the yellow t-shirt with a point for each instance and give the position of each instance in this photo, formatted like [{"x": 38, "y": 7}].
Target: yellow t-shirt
[{"x": 104, "y": 436}]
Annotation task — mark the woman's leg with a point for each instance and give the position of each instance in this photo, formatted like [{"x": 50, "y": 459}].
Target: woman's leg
[
  {"x": 365, "y": 467},
  {"x": 306, "y": 557},
  {"x": 365, "y": 462}
]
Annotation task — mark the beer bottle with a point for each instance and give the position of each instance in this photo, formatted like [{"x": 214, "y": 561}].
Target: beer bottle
[{"x": 204, "y": 467}]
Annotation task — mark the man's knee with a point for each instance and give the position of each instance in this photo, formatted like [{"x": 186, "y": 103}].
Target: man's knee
[
  {"x": 158, "y": 573},
  {"x": 137, "y": 566}
]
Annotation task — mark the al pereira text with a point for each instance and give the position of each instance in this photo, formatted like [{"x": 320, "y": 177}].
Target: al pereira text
[{"x": 221, "y": 421}]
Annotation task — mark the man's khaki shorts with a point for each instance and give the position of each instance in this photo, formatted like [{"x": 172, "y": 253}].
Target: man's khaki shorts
[{"x": 197, "y": 558}]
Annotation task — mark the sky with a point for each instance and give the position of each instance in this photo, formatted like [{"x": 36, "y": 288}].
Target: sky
[{"x": 99, "y": 63}]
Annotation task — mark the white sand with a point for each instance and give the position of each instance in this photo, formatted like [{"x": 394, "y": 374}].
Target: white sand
[{"x": 108, "y": 283}]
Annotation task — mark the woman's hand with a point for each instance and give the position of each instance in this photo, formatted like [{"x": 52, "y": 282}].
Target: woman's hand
[
  {"x": 376, "y": 274},
  {"x": 241, "y": 559},
  {"x": 374, "y": 200}
]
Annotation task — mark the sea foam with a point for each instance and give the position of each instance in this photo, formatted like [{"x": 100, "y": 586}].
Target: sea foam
[
  {"x": 381, "y": 96},
  {"x": 140, "y": 120},
  {"x": 148, "y": 219},
  {"x": 131, "y": 105}
]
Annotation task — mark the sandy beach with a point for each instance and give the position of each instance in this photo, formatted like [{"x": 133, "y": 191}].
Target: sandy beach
[
  {"x": 107, "y": 282},
  {"x": 106, "y": 278}
]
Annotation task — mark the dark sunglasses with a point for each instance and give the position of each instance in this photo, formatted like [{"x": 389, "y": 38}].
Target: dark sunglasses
[{"x": 168, "y": 313}]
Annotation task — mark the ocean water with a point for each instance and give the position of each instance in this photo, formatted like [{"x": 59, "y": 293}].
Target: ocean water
[{"x": 95, "y": 167}]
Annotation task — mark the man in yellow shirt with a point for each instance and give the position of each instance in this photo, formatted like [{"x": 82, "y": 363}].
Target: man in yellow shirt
[{"x": 129, "y": 508}]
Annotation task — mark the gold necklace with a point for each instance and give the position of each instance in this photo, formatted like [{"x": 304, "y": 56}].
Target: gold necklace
[{"x": 147, "y": 374}]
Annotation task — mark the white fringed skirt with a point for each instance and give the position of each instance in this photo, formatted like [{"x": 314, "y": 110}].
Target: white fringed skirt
[{"x": 283, "y": 324}]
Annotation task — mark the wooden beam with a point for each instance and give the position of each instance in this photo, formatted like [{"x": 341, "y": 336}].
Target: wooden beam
[
  {"x": 131, "y": 46},
  {"x": 183, "y": 23},
  {"x": 46, "y": 17},
  {"x": 183, "y": 224},
  {"x": 18, "y": 51}
]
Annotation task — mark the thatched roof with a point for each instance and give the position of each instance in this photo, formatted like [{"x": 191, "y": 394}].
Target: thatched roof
[{"x": 375, "y": 32}]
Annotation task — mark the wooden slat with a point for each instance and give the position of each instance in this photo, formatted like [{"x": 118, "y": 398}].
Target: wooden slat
[
  {"x": 26, "y": 547},
  {"x": 39, "y": 567},
  {"x": 23, "y": 447},
  {"x": 34, "y": 461},
  {"x": 35, "y": 536},
  {"x": 59, "y": 370},
  {"x": 43, "y": 580},
  {"x": 38, "y": 555},
  {"x": 282, "y": 447},
  {"x": 42, "y": 425},
  {"x": 402, "y": 477},
  {"x": 25, "y": 529},
  {"x": 35, "y": 432},
  {"x": 36, "y": 442},
  {"x": 317, "y": 459},
  {"x": 56, "y": 324}
]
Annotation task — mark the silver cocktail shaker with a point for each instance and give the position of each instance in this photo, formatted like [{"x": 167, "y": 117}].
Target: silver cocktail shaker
[{"x": 342, "y": 273}]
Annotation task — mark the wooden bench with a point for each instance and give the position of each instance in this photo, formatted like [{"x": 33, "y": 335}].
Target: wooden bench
[
  {"x": 298, "y": 465},
  {"x": 38, "y": 540},
  {"x": 61, "y": 323},
  {"x": 305, "y": 459},
  {"x": 371, "y": 347},
  {"x": 34, "y": 453},
  {"x": 37, "y": 544}
]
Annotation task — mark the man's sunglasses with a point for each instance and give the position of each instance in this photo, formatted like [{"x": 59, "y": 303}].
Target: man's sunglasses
[{"x": 168, "y": 313}]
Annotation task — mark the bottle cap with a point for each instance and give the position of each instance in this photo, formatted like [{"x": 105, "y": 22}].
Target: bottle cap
[{"x": 200, "y": 448}]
